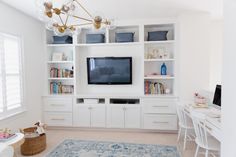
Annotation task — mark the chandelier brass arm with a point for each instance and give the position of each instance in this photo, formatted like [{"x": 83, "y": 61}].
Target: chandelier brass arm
[{"x": 67, "y": 11}]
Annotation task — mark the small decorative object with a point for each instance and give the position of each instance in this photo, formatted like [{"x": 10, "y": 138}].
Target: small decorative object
[
  {"x": 163, "y": 69},
  {"x": 124, "y": 37},
  {"x": 5, "y": 131},
  {"x": 198, "y": 99},
  {"x": 161, "y": 52},
  {"x": 167, "y": 91},
  {"x": 58, "y": 56},
  {"x": 95, "y": 38},
  {"x": 40, "y": 128},
  {"x": 157, "y": 36},
  {"x": 152, "y": 53},
  {"x": 166, "y": 55}
]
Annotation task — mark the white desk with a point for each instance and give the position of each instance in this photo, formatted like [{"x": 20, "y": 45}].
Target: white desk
[{"x": 212, "y": 120}]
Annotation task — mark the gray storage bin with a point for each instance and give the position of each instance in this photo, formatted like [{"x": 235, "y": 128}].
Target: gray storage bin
[
  {"x": 157, "y": 36},
  {"x": 95, "y": 38},
  {"x": 66, "y": 39},
  {"x": 124, "y": 37}
]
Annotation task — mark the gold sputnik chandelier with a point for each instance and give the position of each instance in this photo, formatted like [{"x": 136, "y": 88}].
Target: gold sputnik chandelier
[{"x": 65, "y": 19}]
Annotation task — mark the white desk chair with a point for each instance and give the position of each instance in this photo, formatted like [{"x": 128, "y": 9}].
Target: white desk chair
[
  {"x": 6, "y": 151},
  {"x": 202, "y": 139},
  {"x": 185, "y": 124}
]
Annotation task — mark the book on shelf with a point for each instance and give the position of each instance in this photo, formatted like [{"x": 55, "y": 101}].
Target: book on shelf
[
  {"x": 59, "y": 88},
  {"x": 154, "y": 87},
  {"x": 61, "y": 73}
]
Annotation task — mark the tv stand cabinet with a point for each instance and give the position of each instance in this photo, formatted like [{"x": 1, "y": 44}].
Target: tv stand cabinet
[
  {"x": 131, "y": 113},
  {"x": 133, "y": 106}
]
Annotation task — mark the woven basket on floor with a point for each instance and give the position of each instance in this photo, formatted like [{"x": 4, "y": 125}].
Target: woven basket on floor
[{"x": 33, "y": 145}]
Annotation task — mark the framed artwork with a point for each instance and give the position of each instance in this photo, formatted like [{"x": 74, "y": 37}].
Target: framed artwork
[{"x": 57, "y": 56}]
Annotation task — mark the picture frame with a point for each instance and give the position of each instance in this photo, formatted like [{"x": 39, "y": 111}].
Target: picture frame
[{"x": 57, "y": 56}]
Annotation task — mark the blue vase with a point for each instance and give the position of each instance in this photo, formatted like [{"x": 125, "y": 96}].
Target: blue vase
[{"x": 163, "y": 69}]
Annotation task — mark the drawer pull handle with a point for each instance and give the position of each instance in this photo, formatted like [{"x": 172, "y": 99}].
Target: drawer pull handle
[
  {"x": 159, "y": 106},
  {"x": 57, "y": 119},
  {"x": 156, "y": 122},
  {"x": 57, "y": 105}
]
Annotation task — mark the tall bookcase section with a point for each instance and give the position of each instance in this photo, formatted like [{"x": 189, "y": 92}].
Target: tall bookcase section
[
  {"x": 60, "y": 67},
  {"x": 156, "y": 55}
]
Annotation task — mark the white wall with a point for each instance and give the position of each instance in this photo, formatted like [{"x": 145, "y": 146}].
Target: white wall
[
  {"x": 216, "y": 34},
  {"x": 194, "y": 53},
  {"x": 17, "y": 23},
  {"x": 229, "y": 80}
]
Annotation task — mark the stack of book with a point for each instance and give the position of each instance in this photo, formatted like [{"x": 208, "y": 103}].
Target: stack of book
[
  {"x": 154, "y": 87},
  {"x": 4, "y": 137},
  {"x": 63, "y": 73},
  {"x": 59, "y": 88}
]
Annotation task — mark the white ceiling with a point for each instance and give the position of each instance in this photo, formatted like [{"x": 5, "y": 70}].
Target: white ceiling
[{"x": 134, "y": 9}]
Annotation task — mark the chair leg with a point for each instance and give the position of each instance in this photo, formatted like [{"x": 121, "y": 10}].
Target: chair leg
[
  {"x": 185, "y": 138},
  {"x": 197, "y": 149},
  {"x": 179, "y": 133},
  {"x": 206, "y": 154}
]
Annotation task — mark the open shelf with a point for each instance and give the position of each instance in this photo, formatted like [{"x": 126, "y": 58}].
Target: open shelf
[
  {"x": 60, "y": 78},
  {"x": 60, "y": 45},
  {"x": 158, "y": 60},
  {"x": 160, "y": 42},
  {"x": 60, "y": 62},
  {"x": 109, "y": 44},
  {"x": 159, "y": 77}
]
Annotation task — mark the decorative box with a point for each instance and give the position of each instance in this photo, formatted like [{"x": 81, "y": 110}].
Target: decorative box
[
  {"x": 157, "y": 36},
  {"x": 66, "y": 39},
  {"x": 95, "y": 38},
  {"x": 124, "y": 37}
]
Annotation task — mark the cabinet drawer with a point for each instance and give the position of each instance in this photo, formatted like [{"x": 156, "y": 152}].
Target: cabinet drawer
[
  {"x": 58, "y": 119},
  {"x": 153, "y": 105},
  {"x": 160, "y": 122},
  {"x": 58, "y": 104}
]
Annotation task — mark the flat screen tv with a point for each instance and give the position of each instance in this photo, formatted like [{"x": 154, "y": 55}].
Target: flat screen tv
[
  {"x": 217, "y": 96},
  {"x": 109, "y": 70}
]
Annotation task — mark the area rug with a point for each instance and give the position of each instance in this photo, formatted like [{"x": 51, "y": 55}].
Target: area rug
[{"x": 81, "y": 148}]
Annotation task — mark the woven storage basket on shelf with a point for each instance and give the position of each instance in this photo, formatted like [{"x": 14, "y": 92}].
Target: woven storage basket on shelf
[{"x": 33, "y": 145}]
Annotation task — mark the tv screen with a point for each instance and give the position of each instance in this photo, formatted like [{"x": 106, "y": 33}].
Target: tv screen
[
  {"x": 109, "y": 70},
  {"x": 217, "y": 96}
]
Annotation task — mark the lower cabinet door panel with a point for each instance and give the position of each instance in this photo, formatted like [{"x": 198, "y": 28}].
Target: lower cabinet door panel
[
  {"x": 81, "y": 115},
  {"x": 58, "y": 119},
  {"x": 132, "y": 116},
  {"x": 98, "y": 116},
  {"x": 115, "y": 116},
  {"x": 160, "y": 122}
]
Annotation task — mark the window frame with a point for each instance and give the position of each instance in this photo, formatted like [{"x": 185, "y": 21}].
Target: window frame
[{"x": 9, "y": 113}]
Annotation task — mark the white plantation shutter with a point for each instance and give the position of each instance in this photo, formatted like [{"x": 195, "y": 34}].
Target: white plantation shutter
[
  {"x": 1, "y": 69},
  {"x": 10, "y": 75}
]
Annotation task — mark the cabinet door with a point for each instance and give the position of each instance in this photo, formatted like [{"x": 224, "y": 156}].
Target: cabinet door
[
  {"x": 81, "y": 115},
  {"x": 116, "y": 116},
  {"x": 98, "y": 115},
  {"x": 132, "y": 116}
]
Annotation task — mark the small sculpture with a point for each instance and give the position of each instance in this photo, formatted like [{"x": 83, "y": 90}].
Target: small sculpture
[{"x": 40, "y": 128}]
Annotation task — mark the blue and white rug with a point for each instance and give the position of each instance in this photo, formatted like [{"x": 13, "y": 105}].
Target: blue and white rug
[{"x": 81, "y": 148}]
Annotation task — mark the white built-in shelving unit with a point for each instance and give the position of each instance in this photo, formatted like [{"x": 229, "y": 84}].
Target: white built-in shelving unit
[
  {"x": 150, "y": 66},
  {"x": 70, "y": 109}
]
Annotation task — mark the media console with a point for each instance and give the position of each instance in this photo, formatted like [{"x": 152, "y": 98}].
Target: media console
[{"x": 111, "y": 112}]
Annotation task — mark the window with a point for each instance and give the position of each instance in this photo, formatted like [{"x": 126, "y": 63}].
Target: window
[{"x": 11, "y": 92}]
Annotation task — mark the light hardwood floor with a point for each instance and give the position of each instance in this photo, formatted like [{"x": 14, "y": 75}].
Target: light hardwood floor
[{"x": 55, "y": 137}]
